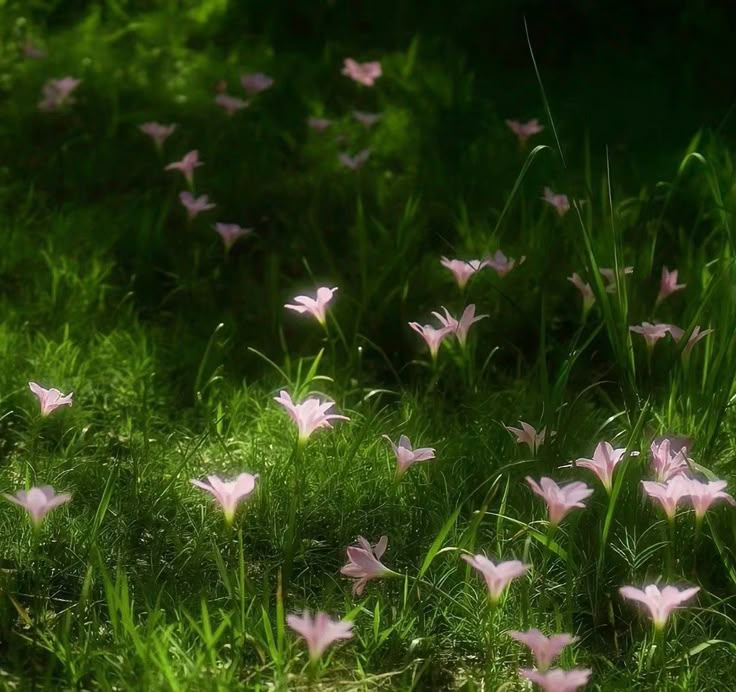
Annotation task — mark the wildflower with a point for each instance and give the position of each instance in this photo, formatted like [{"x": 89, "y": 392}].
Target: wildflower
[
  {"x": 501, "y": 264},
  {"x": 365, "y": 73},
  {"x": 195, "y": 205},
  {"x": 528, "y": 435},
  {"x": 157, "y": 132},
  {"x": 319, "y": 632},
  {"x": 406, "y": 455},
  {"x": 544, "y": 649},
  {"x": 255, "y": 83},
  {"x": 695, "y": 336},
  {"x": 497, "y": 576},
  {"x": 364, "y": 563},
  {"x": 462, "y": 270},
  {"x": 57, "y": 93},
  {"x": 585, "y": 290},
  {"x": 609, "y": 276},
  {"x": 433, "y": 336},
  {"x": 319, "y": 124},
  {"x": 604, "y": 461},
  {"x": 310, "y": 415},
  {"x": 229, "y": 493},
  {"x": 32, "y": 52},
  {"x": 653, "y": 332},
  {"x": 558, "y": 201},
  {"x": 668, "y": 494},
  {"x": 665, "y": 463},
  {"x": 668, "y": 284},
  {"x": 230, "y": 104},
  {"x": 703, "y": 495},
  {"x": 354, "y": 162},
  {"x": 38, "y": 502},
  {"x": 366, "y": 119},
  {"x": 50, "y": 399},
  {"x": 231, "y": 232},
  {"x": 314, "y": 306},
  {"x": 525, "y": 130},
  {"x": 660, "y": 604},
  {"x": 187, "y": 165},
  {"x": 558, "y": 680},
  {"x": 560, "y": 499},
  {"x": 462, "y": 326}
]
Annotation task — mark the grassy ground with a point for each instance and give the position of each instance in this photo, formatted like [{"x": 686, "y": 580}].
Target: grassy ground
[{"x": 174, "y": 351}]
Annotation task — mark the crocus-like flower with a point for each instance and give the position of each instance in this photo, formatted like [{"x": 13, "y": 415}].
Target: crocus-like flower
[
  {"x": 319, "y": 124},
  {"x": 366, "y": 119},
  {"x": 231, "y": 232},
  {"x": 310, "y": 415},
  {"x": 525, "y": 130},
  {"x": 609, "y": 275},
  {"x": 50, "y": 399},
  {"x": 364, "y": 563},
  {"x": 314, "y": 306},
  {"x": 462, "y": 270},
  {"x": 703, "y": 495},
  {"x": 527, "y": 435},
  {"x": 558, "y": 680},
  {"x": 57, "y": 93},
  {"x": 665, "y": 463},
  {"x": 585, "y": 290},
  {"x": 354, "y": 162},
  {"x": 695, "y": 336},
  {"x": 462, "y": 326},
  {"x": 560, "y": 499},
  {"x": 406, "y": 455},
  {"x": 231, "y": 104},
  {"x": 501, "y": 264},
  {"x": 659, "y": 603},
  {"x": 38, "y": 502},
  {"x": 652, "y": 333},
  {"x": 497, "y": 576},
  {"x": 195, "y": 205},
  {"x": 365, "y": 73},
  {"x": 668, "y": 284},
  {"x": 604, "y": 461},
  {"x": 560, "y": 202},
  {"x": 544, "y": 649},
  {"x": 668, "y": 494},
  {"x": 433, "y": 336},
  {"x": 255, "y": 83},
  {"x": 187, "y": 165},
  {"x": 157, "y": 132},
  {"x": 319, "y": 631},
  {"x": 229, "y": 493}
]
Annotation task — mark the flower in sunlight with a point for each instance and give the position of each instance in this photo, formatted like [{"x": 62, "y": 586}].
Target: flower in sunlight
[
  {"x": 319, "y": 124},
  {"x": 609, "y": 276},
  {"x": 659, "y": 603},
  {"x": 364, "y": 563},
  {"x": 50, "y": 399},
  {"x": 544, "y": 649},
  {"x": 462, "y": 270},
  {"x": 38, "y": 502},
  {"x": 501, "y": 264},
  {"x": 462, "y": 326},
  {"x": 365, "y": 73},
  {"x": 497, "y": 575},
  {"x": 231, "y": 233},
  {"x": 310, "y": 415},
  {"x": 528, "y": 435},
  {"x": 668, "y": 494},
  {"x": 57, "y": 93},
  {"x": 157, "y": 132},
  {"x": 356, "y": 162},
  {"x": 406, "y": 455},
  {"x": 585, "y": 291},
  {"x": 558, "y": 680},
  {"x": 604, "y": 461},
  {"x": 319, "y": 631},
  {"x": 186, "y": 166},
  {"x": 432, "y": 336},
  {"x": 255, "y": 83},
  {"x": 317, "y": 306},
  {"x": 230, "y": 104},
  {"x": 366, "y": 119},
  {"x": 652, "y": 333},
  {"x": 703, "y": 494},
  {"x": 560, "y": 499},
  {"x": 667, "y": 464},
  {"x": 525, "y": 130},
  {"x": 560, "y": 202},
  {"x": 229, "y": 493},
  {"x": 668, "y": 284},
  {"x": 195, "y": 205}
]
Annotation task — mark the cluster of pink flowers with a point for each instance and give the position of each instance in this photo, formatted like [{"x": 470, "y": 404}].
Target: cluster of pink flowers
[{"x": 462, "y": 270}]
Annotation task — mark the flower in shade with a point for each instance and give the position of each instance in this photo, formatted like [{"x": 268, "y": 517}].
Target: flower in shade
[
  {"x": 365, "y": 73},
  {"x": 187, "y": 165},
  {"x": 230, "y": 104},
  {"x": 229, "y": 493},
  {"x": 32, "y": 52},
  {"x": 50, "y": 399},
  {"x": 319, "y": 631},
  {"x": 703, "y": 494},
  {"x": 459, "y": 327},
  {"x": 604, "y": 461},
  {"x": 660, "y": 604},
  {"x": 38, "y": 502},
  {"x": 560, "y": 499},
  {"x": 501, "y": 264},
  {"x": 157, "y": 132},
  {"x": 652, "y": 333},
  {"x": 544, "y": 649},
  {"x": 231, "y": 232},
  {"x": 314, "y": 306},
  {"x": 497, "y": 575},
  {"x": 668, "y": 494},
  {"x": 256, "y": 82},
  {"x": 432, "y": 336},
  {"x": 354, "y": 162},
  {"x": 693, "y": 339},
  {"x": 462, "y": 270},
  {"x": 57, "y": 93},
  {"x": 527, "y": 435},
  {"x": 585, "y": 290},
  {"x": 319, "y": 124},
  {"x": 366, "y": 119},
  {"x": 609, "y": 275},
  {"x": 310, "y": 415},
  {"x": 364, "y": 563},
  {"x": 558, "y": 680},
  {"x": 668, "y": 284},
  {"x": 560, "y": 202},
  {"x": 406, "y": 455},
  {"x": 666, "y": 463},
  {"x": 195, "y": 205},
  {"x": 525, "y": 130}
]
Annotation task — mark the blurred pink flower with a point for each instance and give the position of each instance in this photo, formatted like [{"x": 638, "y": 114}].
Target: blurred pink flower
[
  {"x": 157, "y": 132},
  {"x": 459, "y": 327},
  {"x": 187, "y": 165},
  {"x": 528, "y": 435},
  {"x": 703, "y": 495},
  {"x": 364, "y": 563},
  {"x": 525, "y": 130},
  {"x": 497, "y": 575},
  {"x": 32, "y": 52},
  {"x": 319, "y": 632},
  {"x": 695, "y": 336},
  {"x": 354, "y": 162},
  {"x": 544, "y": 649},
  {"x": 432, "y": 336},
  {"x": 38, "y": 502},
  {"x": 665, "y": 464},
  {"x": 310, "y": 415},
  {"x": 366, "y": 119},
  {"x": 50, "y": 399},
  {"x": 558, "y": 680},
  {"x": 652, "y": 333},
  {"x": 256, "y": 82},
  {"x": 319, "y": 124},
  {"x": 462, "y": 270},
  {"x": 668, "y": 284},
  {"x": 57, "y": 93},
  {"x": 668, "y": 494},
  {"x": 231, "y": 233},
  {"x": 229, "y": 493},
  {"x": 406, "y": 455},
  {"x": 585, "y": 290},
  {"x": 365, "y": 73},
  {"x": 230, "y": 104},
  {"x": 660, "y": 604},
  {"x": 604, "y": 461},
  {"x": 560, "y": 499},
  {"x": 609, "y": 275},
  {"x": 317, "y": 307},
  {"x": 501, "y": 264},
  {"x": 560, "y": 202},
  {"x": 195, "y": 205}
]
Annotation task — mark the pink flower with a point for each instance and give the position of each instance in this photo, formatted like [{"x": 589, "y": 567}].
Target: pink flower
[
  {"x": 527, "y": 435},
  {"x": 319, "y": 124},
  {"x": 231, "y": 232},
  {"x": 365, "y": 73},
  {"x": 433, "y": 336},
  {"x": 187, "y": 165},
  {"x": 310, "y": 415},
  {"x": 255, "y": 83},
  {"x": 525, "y": 130},
  {"x": 354, "y": 162},
  {"x": 668, "y": 284},
  {"x": 652, "y": 333},
  {"x": 462, "y": 270},
  {"x": 544, "y": 649},
  {"x": 695, "y": 336},
  {"x": 57, "y": 93},
  {"x": 609, "y": 276},
  {"x": 364, "y": 563},
  {"x": 406, "y": 455},
  {"x": 703, "y": 495},
  {"x": 462, "y": 326},
  {"x": 668, "y": 494},
  {"x": 32, "y": 52},
  {"x": 38, "y": 502},
  {"x": 501, "y": 264},
  {"x": 319, "y": 632},
  {"x": 50, "y": 399},
  {"x": 157, "y": 132},
  {"x": 230, "y": 104},
  {"x": 585, "y": 290},
  {"x": 497, "y": 576},
  {"x": 195, "y": 205},
  {"x": 558, "y": 201},
  {"x": 560, "y": 499},
  {"x": 659, "y": 603},
  {"x": 665, "y": 464},
  {"x": 604, "y": 461},
  {"x": 229, "y": 493},
  {"x": 314, "y": 306},
  {"x": 558, "y": 680},
  {"x": 367, "y": 119}
]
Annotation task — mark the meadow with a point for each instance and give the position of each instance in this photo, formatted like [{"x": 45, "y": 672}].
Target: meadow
[{"x": 341, "y": 365}]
